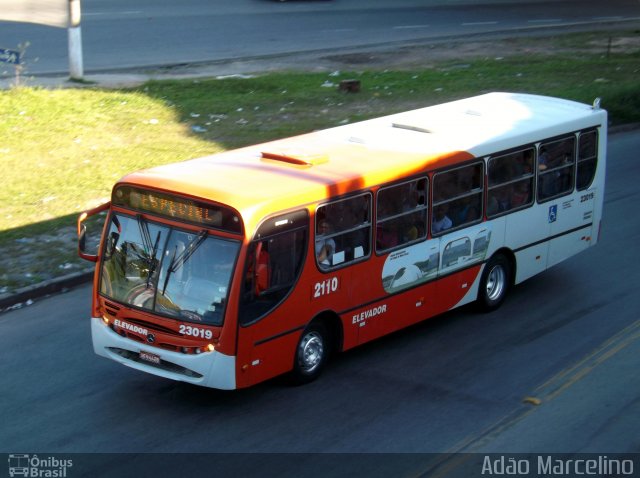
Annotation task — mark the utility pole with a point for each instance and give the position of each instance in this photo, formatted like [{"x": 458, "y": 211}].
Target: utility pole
[{"x": 75, "y": 42}]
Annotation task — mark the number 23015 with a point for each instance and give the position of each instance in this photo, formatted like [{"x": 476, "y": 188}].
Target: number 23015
[{"x": 325, "y": 287}]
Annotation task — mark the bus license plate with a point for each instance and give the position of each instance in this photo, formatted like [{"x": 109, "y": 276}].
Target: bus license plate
[{"x": 149, "y": 357}]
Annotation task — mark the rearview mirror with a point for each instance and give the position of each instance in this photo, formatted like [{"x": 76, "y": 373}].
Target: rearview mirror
[{"x": 82, "y": 232}]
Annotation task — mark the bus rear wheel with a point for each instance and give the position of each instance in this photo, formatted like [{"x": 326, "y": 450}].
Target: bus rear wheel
[
  {"x": 495, "y": 283},
  {"x": 311, "y": 354}
]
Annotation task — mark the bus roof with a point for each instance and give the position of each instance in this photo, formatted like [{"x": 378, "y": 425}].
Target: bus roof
[{"x": 278, "y": 175}]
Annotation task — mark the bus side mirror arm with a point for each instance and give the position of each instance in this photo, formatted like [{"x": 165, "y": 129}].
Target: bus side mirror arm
[{"x": 82, "y": 231}]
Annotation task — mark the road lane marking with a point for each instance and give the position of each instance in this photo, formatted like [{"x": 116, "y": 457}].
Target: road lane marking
[
  {"x": 567, "y": 377},
  {"x": 410, "y": 27},
  {"x": 459, "y": 454},
  {"x": 473, "y": 24},
  {"x": 546, "y": 20},
  {"x": 339, "y": 30},
  {"x": 97, "y": 14}
]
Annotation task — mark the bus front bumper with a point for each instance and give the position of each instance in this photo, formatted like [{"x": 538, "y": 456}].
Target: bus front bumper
[{"x": 209, "y": 369}]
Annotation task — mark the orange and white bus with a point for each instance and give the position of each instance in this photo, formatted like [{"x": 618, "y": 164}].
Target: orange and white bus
[{"x": 228, "y": 270}]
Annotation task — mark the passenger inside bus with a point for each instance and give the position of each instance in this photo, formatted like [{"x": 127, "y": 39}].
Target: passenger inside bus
[
  {"x": 325, "y": 247},
  {"x": 441, "y": 221},
  {"x": 465, "y": 210},
  {"x": 521, "y": 194},
  {"x": 543, "y": 159}
]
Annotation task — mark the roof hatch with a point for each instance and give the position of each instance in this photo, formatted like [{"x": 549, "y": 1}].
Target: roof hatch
[
  {"x": 411, "y": 127},
  {"x": 296, "y": 158}
]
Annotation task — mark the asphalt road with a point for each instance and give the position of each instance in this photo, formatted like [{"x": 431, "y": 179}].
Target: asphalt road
[
  {"x": 142, "y": 33},
  {"x": 569, "y": 337}
]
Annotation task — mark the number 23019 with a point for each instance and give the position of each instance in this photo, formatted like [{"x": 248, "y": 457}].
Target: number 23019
[
  {"x": 195, "y": 331},
  {"x": 325, "y": 287}
]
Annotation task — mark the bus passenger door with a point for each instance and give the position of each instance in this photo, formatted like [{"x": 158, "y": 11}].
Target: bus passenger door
[
  {"x": 267, "y": 320},
  {"x": 526, "y": 234},
  {"x": 574, "y": 228},
  {"x": 571, "y": 225}
]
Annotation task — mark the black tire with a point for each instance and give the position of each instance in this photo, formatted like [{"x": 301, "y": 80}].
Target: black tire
[
  {"x": 311, "y": 355},
  {"x": 494, "y": 283}
]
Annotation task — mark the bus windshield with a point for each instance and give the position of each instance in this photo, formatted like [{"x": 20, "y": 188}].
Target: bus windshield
[{"x": 168, "y": 271}]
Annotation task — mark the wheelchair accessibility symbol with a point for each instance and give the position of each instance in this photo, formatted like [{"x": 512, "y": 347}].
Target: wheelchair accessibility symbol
[{"x": 553, "y": 213}]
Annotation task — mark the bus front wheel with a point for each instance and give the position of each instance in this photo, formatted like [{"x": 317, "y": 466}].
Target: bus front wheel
[
  {"x": 495, "y": 283},
  {"x": 311, "y": 354}
]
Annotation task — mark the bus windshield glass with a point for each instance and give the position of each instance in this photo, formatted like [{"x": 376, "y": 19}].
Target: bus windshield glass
[{"x": 168, "y": 271}]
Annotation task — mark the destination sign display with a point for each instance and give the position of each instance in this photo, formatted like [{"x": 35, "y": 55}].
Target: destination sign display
[{"x": 178, "y": 208}]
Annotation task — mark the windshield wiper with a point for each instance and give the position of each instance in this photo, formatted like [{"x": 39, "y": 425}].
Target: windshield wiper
[
  {"x": 178, "y": 261},
  {"x": 153, "y": 263},
  {"x": 144, "y": 234},
  {"x": 146, "y": 242}
]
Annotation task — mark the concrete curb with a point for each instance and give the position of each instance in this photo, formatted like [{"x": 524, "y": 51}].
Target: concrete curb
[{"x": 26, "y": 295}]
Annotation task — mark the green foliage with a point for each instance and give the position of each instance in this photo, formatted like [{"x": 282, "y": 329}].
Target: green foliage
[{"x": 62, "y": 150}]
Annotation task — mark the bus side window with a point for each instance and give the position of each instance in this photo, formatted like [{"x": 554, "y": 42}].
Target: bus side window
[
  {"x": 401, "y": 214},
  {"x": 343, "y": 231},
  {"x": 510, "y": 180},
  {"x": 587, "y": 159},
  {"x": 457, "y": 197},
  {"x": 262, "y": 277},
  {"x": 556, "y": 167}
]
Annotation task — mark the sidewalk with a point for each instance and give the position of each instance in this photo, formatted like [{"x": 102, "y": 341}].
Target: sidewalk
[{"x": 329, "y": 60}]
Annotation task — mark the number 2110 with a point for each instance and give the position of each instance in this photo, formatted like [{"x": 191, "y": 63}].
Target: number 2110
[{"x": 325, "y": 287}]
